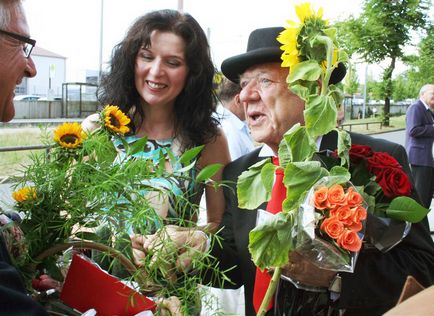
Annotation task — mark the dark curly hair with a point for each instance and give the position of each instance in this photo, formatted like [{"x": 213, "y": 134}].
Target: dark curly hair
[{"x": 195, "y": 104}]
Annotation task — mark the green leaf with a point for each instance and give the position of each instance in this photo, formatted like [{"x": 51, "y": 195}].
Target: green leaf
[
  {"x": 267, "y": 176},
  {"x": 406, "y": 209},
  {"x": 136, "y": 146},
  {"x": 320, "y": 115},
  {"x": 307, "y": 70},
  {"x": 330, "y": 32},
  {"x": 339, "y": 171},
  {"x": 190, "y": 154},
  {"x": 251, "y": 190},
  {"x": 300, "y": 90},
  {"x": 270, "y": 243},
  {"x": 208, "y": 171},
  {"x": 344, "y": 145},
  {"x": 296, "y": 145},
  {"x": 299, "y": 178}
]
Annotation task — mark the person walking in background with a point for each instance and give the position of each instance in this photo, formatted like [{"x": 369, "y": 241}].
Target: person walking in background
[
  {"x": 15, "y": 64},
  {"x": 233, "y": 119},
  {"x": 419, "y": 136}
]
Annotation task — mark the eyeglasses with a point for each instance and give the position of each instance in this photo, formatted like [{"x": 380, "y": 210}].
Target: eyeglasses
[
  {"x": 28, "y": 42},
  {"x": 261, "y": 80}
]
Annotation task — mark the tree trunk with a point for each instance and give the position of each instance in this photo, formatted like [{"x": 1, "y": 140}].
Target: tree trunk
[{"x": 387, "y": 79}]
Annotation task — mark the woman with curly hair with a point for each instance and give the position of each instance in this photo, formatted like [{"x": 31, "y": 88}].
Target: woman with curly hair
[{"x": 161, "y": 75}]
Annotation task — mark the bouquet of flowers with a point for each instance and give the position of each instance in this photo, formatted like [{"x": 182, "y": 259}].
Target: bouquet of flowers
[
  {"x": 311, "y": 51},
  {"x": 330, "y": 230},
  {"x": 80, "y": 184}
]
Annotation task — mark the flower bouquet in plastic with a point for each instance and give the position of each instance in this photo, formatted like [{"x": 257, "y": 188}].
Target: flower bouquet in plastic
[{"x": 330, "y": 225}]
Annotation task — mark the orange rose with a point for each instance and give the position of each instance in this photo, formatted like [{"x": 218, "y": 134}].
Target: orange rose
[
  {"x": 353, "y": 197},
  {"x": 333, "y": 227},
  {"x": 359, "y": 214},
  {"x": 355, "y": 226},
  {"x": 336, "y": 195},
  {"x": 349, "y": 240},
  {"x": 343, "y": 213},
  {"x": 320, "y": 198}
]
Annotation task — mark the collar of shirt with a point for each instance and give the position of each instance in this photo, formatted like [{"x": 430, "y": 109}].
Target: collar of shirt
[
  {"x": 426, "y": 105},
  {"x": 266, "y": 150}
]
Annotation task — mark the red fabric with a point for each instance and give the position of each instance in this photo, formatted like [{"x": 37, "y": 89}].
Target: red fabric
[
  {"x": 262, "y": 279},
  {"x": 87, "y": 286}
]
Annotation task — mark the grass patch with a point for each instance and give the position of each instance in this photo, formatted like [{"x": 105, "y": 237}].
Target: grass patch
[
  {"x": 12, "y": 162},
  {"x": 396, "y": 123}
]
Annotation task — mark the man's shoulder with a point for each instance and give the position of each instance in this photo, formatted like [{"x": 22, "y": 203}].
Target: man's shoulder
[
  {"x": 242, "y": 163},
  {"x": 377, "y": 144}
]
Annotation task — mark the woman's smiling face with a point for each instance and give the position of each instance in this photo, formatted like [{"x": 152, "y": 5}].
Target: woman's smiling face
[{"x": 161, "y": 69}]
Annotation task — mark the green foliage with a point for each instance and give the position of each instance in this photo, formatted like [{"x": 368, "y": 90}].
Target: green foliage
[
  {"x": 381, "y": 32},
  {"x": 270, "y": 243},
  {"x": 400, "y": 206},
  {"x": 91, "y": 193}
]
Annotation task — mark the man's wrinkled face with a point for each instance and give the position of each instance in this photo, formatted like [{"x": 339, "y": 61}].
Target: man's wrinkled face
[
  {"x": 271, "y": 109},
  {"x": 428, "y": 96},
  {"x": 14, "y": 66}
]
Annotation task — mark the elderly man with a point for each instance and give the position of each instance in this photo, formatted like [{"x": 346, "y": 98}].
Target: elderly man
[
  {"x": 271, "y": 110},
  {"x": 15, "y": 64},
  {"x": 419, "y": 137}
]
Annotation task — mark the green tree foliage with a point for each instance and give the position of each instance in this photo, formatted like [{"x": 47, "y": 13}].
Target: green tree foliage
[
  {"x": 421, "y": 66},
  {"x": 380, "y": 33},
  {"x": 351, "y": 81}
]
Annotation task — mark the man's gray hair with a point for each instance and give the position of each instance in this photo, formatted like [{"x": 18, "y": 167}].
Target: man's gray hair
[
  {"x": 7, "y": 7},
  {"x": 424, "y": 89}
]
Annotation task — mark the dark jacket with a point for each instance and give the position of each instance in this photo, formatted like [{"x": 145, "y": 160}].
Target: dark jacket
[
  {"x": 14, "y": 300},
  {"x": 419, "y": 135},
  {"x": 375, "y": 285}
]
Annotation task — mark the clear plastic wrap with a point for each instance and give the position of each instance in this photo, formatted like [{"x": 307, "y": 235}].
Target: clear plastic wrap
[{"x": 331, "y": 224}]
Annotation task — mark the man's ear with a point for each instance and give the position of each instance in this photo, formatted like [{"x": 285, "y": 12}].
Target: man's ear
[{"x": 237, "y": 99}]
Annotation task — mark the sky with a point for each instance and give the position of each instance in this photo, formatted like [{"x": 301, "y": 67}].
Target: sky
[{"x": 71, "y": 28}]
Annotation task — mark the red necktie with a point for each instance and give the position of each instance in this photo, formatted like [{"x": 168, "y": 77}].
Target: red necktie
[{"x": 262, "y": 279}]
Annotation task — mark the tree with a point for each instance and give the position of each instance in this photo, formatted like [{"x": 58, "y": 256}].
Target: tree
[
  {"x": 351, "y": 82},
  {"x": 380, "y": 33},
  {"x": 422, "y": 66}
]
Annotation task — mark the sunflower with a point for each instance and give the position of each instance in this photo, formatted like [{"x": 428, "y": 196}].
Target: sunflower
[
  {"x": 295, "y": 46},
  {"x": 69, "y": 135},
  {"x": 24, "y": 194},
  {"x": 115, "y": 120}
]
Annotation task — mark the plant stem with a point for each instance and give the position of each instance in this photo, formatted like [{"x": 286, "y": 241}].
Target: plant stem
[
  {"x": 270, "y": 291},
  {"x": 329, "y": 44}
]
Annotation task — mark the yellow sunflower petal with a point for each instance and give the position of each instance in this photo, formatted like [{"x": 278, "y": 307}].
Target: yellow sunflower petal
[
  {"x": 115, "y": 120},
  {"x": 69, "y": 135},
  {"x": 24, "y": 194},
  {"x": 303, "y": 11}
]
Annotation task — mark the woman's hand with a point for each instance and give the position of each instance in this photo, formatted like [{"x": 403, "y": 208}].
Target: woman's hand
[
  {"x": 170, "y": 306},
  {"x": 185, "y": 242}
]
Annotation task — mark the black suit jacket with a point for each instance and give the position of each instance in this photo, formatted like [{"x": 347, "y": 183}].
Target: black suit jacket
[
  {"x": 375, "y": 285},
  {"x": 13, "y": 296}
]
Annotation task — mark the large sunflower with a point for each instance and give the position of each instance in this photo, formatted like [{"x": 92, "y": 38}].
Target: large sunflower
[
  {"x": 69, "y": 135},
  {"x": 295, "y": 46},
  {"x": 115, "y": 120},
  {"x": 24, "y": 194}
]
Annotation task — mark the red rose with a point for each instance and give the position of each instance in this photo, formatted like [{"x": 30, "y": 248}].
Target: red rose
[
  {"x": 379, "y": 161},
  {"x": 394, "y": 182},
  {"x": 359, "y": 152}
]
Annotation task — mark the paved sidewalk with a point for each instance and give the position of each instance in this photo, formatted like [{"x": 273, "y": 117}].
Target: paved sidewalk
[{"x": 18, "y": 122}]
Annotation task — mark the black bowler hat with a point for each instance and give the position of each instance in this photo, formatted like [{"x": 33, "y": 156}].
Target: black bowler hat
[{"x": 263, "y": 47}]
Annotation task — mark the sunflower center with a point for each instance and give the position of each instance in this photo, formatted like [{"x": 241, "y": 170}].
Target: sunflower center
[
  {"x": 114, "y": 121},
  {"x": 69, "y": 138}
]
